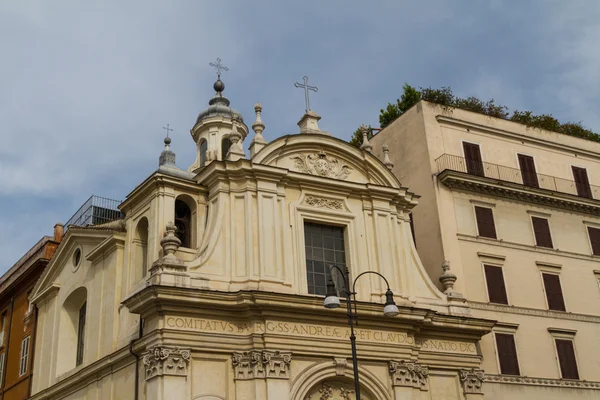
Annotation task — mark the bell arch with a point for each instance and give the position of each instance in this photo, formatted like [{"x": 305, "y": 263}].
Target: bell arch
[
  {"x": 140, "y": 244},
  {"x": 322, "y": 375},
  {"x": 185, "y": 220}
]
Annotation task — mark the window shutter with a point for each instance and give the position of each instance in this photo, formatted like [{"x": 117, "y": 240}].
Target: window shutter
[
  {"x": 566, "y": 359},
  {"x": 485, "y": 222},
  {"x": 554, "y": 292},
  {"x": 528, "y": 172},
  {"x": 594, "y": 240},
  {"x": 495, "y": 284},
  {"x": 581, "y": 182},
  {"x": 541, "y": 229},
  {"x": 507, "y": 354},
  {"x": 473, "y": 159}
]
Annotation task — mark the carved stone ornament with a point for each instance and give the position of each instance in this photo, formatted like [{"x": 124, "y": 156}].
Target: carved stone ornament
[
  {"x": 321, "y": 164},
  {"x": 332, "y": 391},
  {"x": 410, "y": 374},
  {"x": 322, "y": 202},
  {"x": 159, "y": 361},
  {"x": 262, "y": 364},
  {"x": 472, "y": 380}
]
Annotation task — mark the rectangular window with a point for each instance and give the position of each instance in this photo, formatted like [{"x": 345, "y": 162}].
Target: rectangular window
[
  {"x": 81, "y": 335},
  {"x": 528, "y": 172},
  {"x": 1, "y": 368},
  {"x": 3, "y": 329},
  {"x": 594, "y": 240},
  {"x": 554, "y": 293},
  {"x": 23, "y": 364},
  {"x": 541, "y": 230},
  {"x": 495, "y": 284},
  {"x": 324, "y": 247},
  {"x": 566, "y": 359},
  {"x": 473, "y": 159},
  {"x": 507, "y": 354},
  {"x": 581, "y": 182},
  {"x": 485, "y": 222}
]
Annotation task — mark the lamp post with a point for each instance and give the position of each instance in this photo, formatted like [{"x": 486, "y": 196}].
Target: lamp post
[{"x": 390, "y": 309}]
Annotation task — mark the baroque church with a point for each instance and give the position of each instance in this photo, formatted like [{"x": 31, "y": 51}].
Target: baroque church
[{"x": 212, "y": 286}]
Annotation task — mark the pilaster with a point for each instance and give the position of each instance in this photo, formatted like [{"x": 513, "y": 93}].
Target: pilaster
[
  {"x": 472, "y": 383},
  {"x": 264, "y": 373},
  {"x": 166, "y": 370},
  {"x": 409, "y": 379}
]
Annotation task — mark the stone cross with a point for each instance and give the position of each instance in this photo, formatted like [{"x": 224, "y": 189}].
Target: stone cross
[
  {"x": 167, "y": 129},
  {"x": 219, "y": 67},
  {"x": 306, "y": 88}
]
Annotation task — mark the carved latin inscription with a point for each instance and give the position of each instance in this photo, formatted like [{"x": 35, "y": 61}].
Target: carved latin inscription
[
  {"x": 322, "y": 202},
  {"x": 261, "y": 364},
  {"x": 160, "y": 361},
  {"x": 472, "y": 380},
  {"x": 321, "y": 164},
  {"x": 409, "y": 374}
]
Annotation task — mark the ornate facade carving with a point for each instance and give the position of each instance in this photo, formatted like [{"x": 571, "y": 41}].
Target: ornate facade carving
[
  {"x": 472, "y": 380},
  {"x": 261, "y": 364},
  {"x": 159, "y": 361},
  {"x": 340, "y": 366},
  {"x": 332, "y": 390},
  {"x": 323, "y": 202},
  {"x": 410, "y": 374},
  {"x": 321, "y": 164},
  {"x": 524, "y": 380}
]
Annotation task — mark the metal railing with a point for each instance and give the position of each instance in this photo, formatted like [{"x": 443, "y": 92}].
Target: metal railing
[
  {"x": 515, "y": 175},
  {"x": 96, "y": 210}
]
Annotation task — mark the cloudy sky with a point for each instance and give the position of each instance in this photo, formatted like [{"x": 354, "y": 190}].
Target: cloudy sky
[{"x": 85, "y": 87}]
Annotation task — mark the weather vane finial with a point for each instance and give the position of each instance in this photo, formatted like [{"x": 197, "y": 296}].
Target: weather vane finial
[{"x": 219, "y": 67}]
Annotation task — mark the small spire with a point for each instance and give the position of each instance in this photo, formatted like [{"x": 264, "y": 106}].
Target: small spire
[
  {"x": 386, "y": 157},
  {"x": 258, "y": 126},
  {"x": 235, "y": 151},
  {"x": 167, "y": 157},
  {"x": 366, "y": 146}
]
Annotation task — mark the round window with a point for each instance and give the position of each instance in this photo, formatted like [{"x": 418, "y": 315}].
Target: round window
[{"x": 77, "y": 257}]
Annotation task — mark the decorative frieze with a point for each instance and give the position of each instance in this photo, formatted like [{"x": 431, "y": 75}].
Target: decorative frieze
[
  {"x": 259, "y": 364},
  {"x": 410, "y": 374},
  {"x": 321, "y": 164},
  {"x": 323, "y": 202},
  {"x": 331, "y": 391},
  {"x": 524, "y": 380},
  {"x": 534, "y": 312},
  {"x": 159, "y": 361},
  {"x": 472, "y": 380}
]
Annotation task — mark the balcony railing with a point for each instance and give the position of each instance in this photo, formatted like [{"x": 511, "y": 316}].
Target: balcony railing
[
  {"x": 96, "y": 210},
  {"x": 514, "y": 175}
]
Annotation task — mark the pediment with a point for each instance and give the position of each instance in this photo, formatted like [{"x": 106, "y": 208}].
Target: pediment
[{"x": 326, "y": 157}]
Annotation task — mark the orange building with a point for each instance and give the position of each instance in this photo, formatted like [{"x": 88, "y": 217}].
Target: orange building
[{"x": 18, "y": 318}]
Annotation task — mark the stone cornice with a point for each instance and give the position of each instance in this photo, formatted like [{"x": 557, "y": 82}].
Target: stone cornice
[
  {"x": 526, "y": 247},
  {"x": 107, "y": 246},
  {"x": 534, "y": 312},
  {"x": 156, "y": 298},
  {"x": 515, "y": 191},
  {"x": 529, "y": 381}
]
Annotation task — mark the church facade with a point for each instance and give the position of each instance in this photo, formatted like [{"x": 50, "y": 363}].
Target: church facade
[{"x": 212, "y": 285}]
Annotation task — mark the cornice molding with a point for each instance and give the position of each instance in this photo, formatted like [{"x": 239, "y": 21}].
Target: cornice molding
[
  {"x": 526, "y": 247},
  {"x": 534, "y": 312},
  {"x": 515, "y": 191},
  {"x": 528, "y": 381}
]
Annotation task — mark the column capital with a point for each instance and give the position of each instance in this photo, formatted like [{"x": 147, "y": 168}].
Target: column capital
[
  {"x": 160, "y": 361},
  {"x": 472, "y": 380},
  {"x": 261, "y": 364},
  {"x": 409, "y": 374}
]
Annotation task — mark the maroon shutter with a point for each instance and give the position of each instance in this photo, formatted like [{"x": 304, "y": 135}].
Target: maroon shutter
[
  {"x": 581, "y": 182},
  {"x": 528, "y": 171},
  {"x": 554, "y": 292},
  {"x": 541, "y": 230},
  {"x": 507, "y": 354},
  {"x": 566, "y": 359},
  {"x": 495, "y": 284},
  {"x": 594, "y": 240},
  {"x": 485, "y": 222},
  {"x": 473, "y": 159}
]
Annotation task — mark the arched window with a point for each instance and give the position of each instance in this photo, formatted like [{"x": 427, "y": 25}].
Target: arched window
[
  {"x": 71, "y": 342},
  {"x": 225, "y": 145},
  {"x": 141, "y": 249},
  {"x": 183, "y": 222},
  {"x": 203, "y": 149}
]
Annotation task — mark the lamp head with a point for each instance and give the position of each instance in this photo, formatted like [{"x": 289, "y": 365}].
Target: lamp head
[
  {"x": 331, "y": 300},
  {"x": 390, "y": 309}
]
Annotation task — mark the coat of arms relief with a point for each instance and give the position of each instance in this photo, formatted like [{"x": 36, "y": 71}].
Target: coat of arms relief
[
  {"x": 321, "y": 164},
  {"x": 332, "y": 391}
]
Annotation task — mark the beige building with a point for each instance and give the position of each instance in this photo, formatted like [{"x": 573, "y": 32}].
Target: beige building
[
  {"x": 212, "y": 285},
  {"x": 516, "y": 212}
]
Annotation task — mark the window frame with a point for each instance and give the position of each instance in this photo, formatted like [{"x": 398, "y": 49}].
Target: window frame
[
  {"x": 2, "y": 355},
  {"x": 588, "y": 226},
  {"x": 517, "y": 154},
  {"x": 589, "y": 185},
  {"x": 24, "y": 355},
  {"x": 80, "y": 351},
  {"x": 565, "y": 334},
  {"x": 490, "y": 207},
  {"x": 507, "y": 329},
  {"x": 535, "y": 239},
  {"x": 552, "y": 271},
  {"x": 464, "y": 156},
  {"x": 487, "y": 291}
]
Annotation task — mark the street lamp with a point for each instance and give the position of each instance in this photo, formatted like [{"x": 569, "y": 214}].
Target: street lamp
[{"x": 390, "y": 309}]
